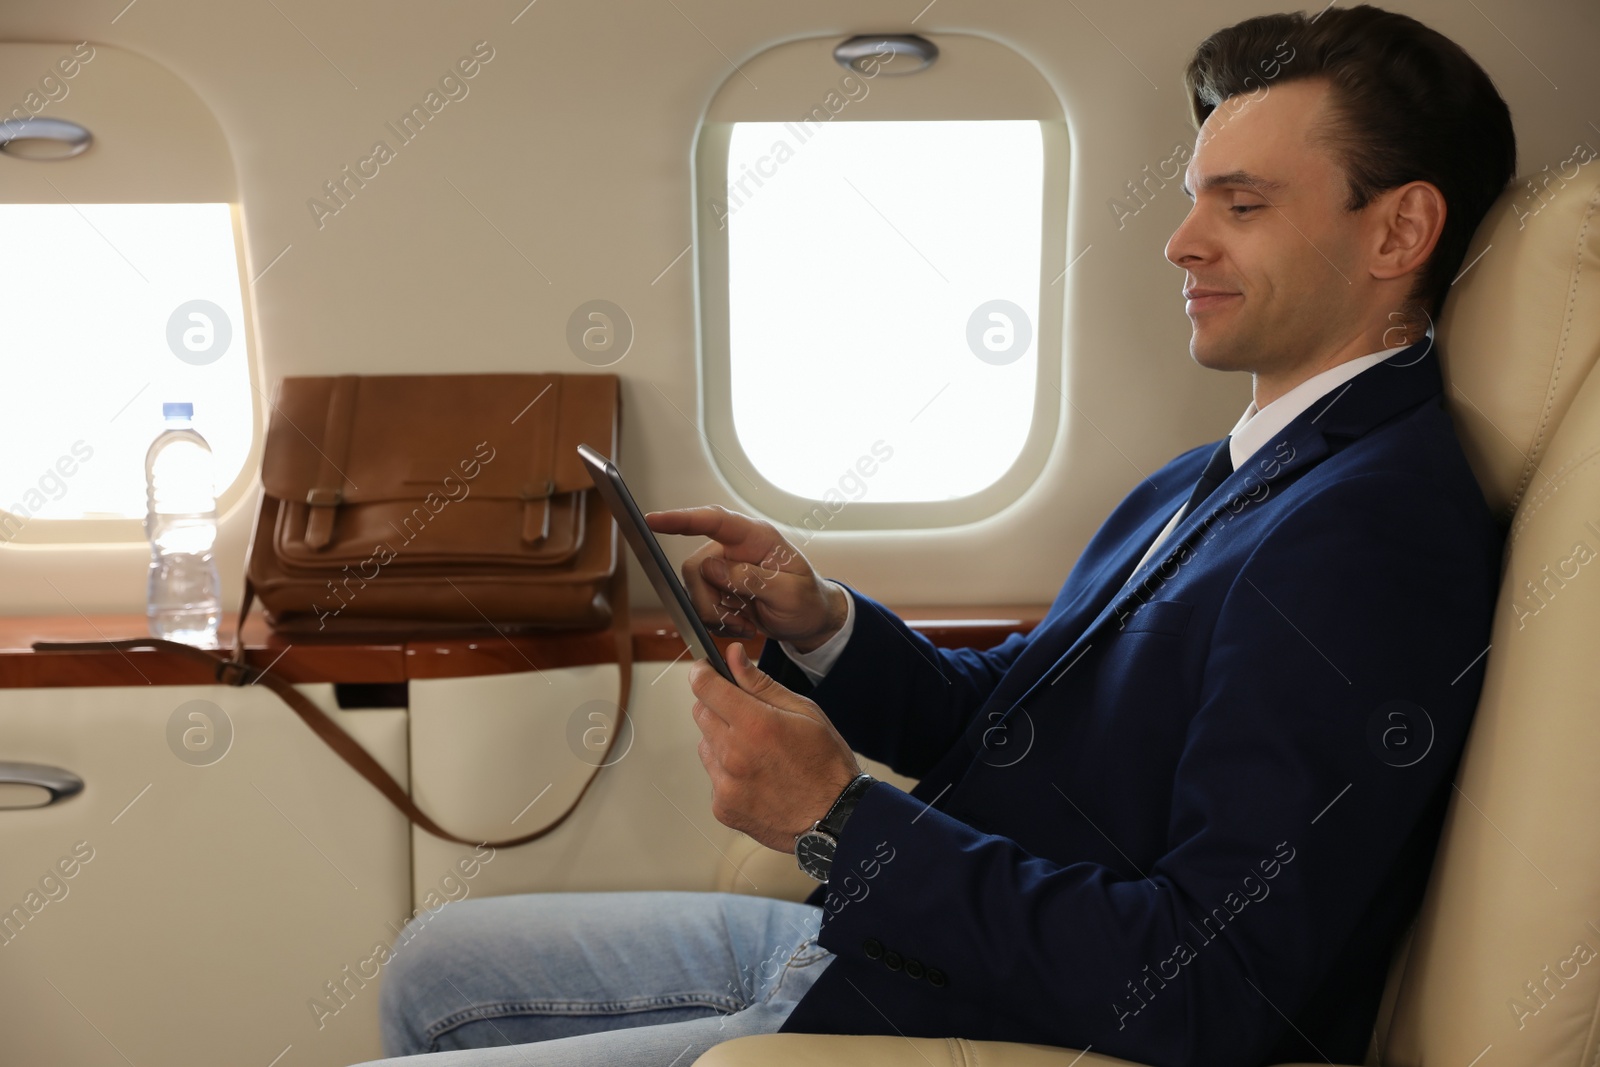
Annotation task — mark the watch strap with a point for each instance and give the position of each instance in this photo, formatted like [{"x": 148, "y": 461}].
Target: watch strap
[{"x": 833, "y": 822}]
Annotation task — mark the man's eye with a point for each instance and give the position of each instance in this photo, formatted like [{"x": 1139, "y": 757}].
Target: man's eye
[{"x": 1244, "y": 208}]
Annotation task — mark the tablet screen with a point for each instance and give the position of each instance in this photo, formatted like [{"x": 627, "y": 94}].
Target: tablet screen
[{"x": 642, "y": 539}]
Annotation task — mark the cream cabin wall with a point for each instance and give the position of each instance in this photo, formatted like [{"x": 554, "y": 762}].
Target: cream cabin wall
[{"x": 564, "y": 176}]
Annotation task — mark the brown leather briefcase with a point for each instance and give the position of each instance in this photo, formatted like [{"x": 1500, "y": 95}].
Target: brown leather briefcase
[
  {"x": 435, "y": 502},
  {"x": 410, "y": 504}
]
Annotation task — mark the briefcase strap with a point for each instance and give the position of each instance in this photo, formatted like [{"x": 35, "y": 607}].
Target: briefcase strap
[
  {"x": 234, "y": 671},
  {"x": 326, "y": 495}
]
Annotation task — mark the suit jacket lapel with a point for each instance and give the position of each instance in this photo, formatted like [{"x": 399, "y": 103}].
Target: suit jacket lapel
[
  {"x": 1372, "y": 397},
  {"x": 1057, "y": 631}
]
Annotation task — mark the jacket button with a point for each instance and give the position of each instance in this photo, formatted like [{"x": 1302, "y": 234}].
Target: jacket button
[
  {"x": 935, "y": 977},
  {"x": 893, "y": 961},
  {"x": 872, "y": 948},
  {"x": 915, "y": 969}
]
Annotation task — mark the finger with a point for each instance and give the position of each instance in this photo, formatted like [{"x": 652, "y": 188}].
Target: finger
[
  {"x": 712, "y": 602},
  {"x": 713, "y": 568},
  {"x": 704, "y": 579},
  {"x": 729, "y": 594},
  {"x": 735, "y": 626},
  {"x": 761, "y": 687},
  {"x": 767, "y": 691},
  {"x": 751, "y": 679},
  {"x": 730, "y": 702},
  {"x": 751, "y": 705},
  {"x": 713, "y": 690},
  {"x": 741, "y": 537},
  {"x": 734, "y": 617},
  {"x": 713, "y": 521},
  {"x": 708, "y": 719},
  {"x": 702, "y": 595},
  {"x": 748, "y": 580}
]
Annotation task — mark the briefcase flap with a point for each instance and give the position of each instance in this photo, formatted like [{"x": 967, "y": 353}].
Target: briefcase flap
[{"x": 489, "y": 460}]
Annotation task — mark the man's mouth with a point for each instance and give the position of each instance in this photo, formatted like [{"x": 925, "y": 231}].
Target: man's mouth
[{"x": 1200, "y": 299}]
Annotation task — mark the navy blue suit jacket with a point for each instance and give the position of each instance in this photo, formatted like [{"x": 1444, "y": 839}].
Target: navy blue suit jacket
[{"x": 1188, "y": 808}]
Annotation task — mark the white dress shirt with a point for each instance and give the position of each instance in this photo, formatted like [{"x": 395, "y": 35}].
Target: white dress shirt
[
  {"x": 1253, "y": 430},
  {"x": 1256, "y": 426}
]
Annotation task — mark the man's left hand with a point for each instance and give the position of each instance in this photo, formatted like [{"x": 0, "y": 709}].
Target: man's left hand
[{"x": 776, "y": 762}]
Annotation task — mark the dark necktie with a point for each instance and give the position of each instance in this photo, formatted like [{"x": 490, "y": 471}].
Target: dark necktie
[{"x": 1217, "y": 468}]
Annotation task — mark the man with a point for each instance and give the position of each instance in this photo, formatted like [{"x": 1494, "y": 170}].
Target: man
[{"x": 1186, "y": 819}]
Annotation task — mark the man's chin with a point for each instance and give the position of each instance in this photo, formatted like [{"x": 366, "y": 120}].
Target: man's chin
[{"x": 1214, "y": 353}]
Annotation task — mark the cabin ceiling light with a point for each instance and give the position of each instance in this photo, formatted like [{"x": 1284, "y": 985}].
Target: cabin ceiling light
[
  {"x": 42, "y": 138},
  {"x": 893, "y": 53}
]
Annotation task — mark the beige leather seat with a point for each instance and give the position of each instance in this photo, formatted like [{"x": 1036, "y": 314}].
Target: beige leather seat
[{"x": 1502, "y": 968}]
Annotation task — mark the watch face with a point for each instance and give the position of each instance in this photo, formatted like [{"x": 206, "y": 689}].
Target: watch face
[{"x": 815, "y": 851}]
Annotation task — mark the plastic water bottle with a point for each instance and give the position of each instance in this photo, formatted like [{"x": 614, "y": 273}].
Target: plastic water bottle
[{"x": 184, "y": 601}]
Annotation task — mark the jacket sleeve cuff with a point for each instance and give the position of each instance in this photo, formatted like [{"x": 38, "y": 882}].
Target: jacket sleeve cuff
[{"x": 883, "y": 828}]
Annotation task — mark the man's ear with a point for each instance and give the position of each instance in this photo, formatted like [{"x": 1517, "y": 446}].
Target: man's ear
[{"x": 1408, "y": 221}]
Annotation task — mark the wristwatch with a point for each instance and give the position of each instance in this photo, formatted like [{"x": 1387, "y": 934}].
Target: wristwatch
[{"x": 815, "y": 848}]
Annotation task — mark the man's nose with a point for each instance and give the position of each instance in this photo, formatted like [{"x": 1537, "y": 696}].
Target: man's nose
[{"x": 1189, "y": 244}]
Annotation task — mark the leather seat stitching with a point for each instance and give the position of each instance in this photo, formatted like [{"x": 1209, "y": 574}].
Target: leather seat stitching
[
  {"x": 1543, "y": 496},
  {"x": 1561, "y": 351}
]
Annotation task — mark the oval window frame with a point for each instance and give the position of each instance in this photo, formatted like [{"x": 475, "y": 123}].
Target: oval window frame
[
  {"x": 975, "y": 78},
  {"x": 154, "y": 141}
]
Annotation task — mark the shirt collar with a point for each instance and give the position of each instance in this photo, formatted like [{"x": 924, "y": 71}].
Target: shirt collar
[{"x": 1257, "y": 425}]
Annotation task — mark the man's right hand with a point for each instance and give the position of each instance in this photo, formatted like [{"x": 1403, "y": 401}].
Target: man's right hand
[{"x": 748, "y": 580}]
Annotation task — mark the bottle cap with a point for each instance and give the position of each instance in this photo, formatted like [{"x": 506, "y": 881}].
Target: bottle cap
[{"x": 177, "y": 411}]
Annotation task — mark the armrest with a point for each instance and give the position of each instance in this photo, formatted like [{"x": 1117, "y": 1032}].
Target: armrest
[{"x": 828, "y": 1050}]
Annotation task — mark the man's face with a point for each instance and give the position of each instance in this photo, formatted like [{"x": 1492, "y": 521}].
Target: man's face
[{"x": 1269, "y": 229}]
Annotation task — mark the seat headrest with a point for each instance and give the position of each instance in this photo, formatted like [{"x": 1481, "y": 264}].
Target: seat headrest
[{"x": 1520, "y": 328}]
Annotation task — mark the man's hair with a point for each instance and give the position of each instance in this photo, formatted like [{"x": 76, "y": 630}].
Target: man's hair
[{"x": 1408, "y": 103}]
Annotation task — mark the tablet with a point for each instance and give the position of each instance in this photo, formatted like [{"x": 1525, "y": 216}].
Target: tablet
[{"x": 642, "y": 539}]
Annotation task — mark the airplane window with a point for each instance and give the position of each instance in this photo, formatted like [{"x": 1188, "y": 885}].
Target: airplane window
[
  {"x": 112, "y": 310},
  {"x": 881, "y": 278},
  {"x": 883, "y": 302}
]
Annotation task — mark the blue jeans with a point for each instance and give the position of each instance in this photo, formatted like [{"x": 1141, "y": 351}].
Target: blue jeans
[{"x": 615, "y": 979}]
